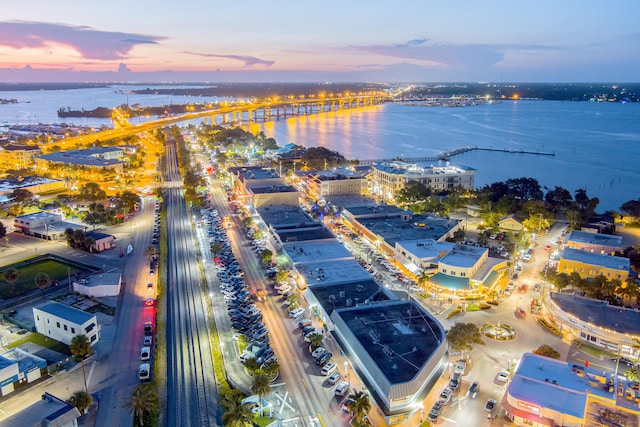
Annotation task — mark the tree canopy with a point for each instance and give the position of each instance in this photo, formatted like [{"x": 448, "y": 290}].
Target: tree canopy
[
  {"x": 548, "y": 351},
  {"x": 462, "y": 337}
]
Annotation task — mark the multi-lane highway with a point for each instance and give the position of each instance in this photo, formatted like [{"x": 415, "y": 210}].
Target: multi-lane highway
[{"x": 191, "y": 387}]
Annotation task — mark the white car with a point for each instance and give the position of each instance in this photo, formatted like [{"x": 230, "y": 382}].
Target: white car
[
  {"x": 297, "y": 312},
  {"x": 145, "y": 353},
  {"x": 342, "y": 389},
  {"x": 284, "y": 290},
  {"x": 503, "y": 376},
  {"x": 317, "y": 352},
  {"x": 460, "y": 367},
  {"x": 281, "y": 285}
]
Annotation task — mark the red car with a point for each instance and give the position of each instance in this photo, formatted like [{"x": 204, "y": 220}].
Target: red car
[{"x": 149, "y": 302}]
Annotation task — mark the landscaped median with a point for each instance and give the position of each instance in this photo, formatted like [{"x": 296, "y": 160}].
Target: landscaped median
[{"x": 550, "y": 327}]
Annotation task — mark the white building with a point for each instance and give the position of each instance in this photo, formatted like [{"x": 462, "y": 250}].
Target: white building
[
  {"x": 390, "y": 177},
  {"x": 62, "y": 323},
  {"x": 99, "y": 285}
]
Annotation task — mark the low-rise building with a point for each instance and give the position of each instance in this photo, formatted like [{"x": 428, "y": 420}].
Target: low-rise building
[
  {"x": 45, "y": 225},
  {"x": 99, "y": 285},
  {"x": 590, "y": 264},
  {"x": 103, "y": 241},
  {"x": 18, "y": 366},
  {"x": 319, "y": 184},
  {"x": 35, "y": 184},
  {"x": 61, "y": 322},
  {"x": 88, "y": 161},
  {"x": 594, "y": 242},
  {"x": 49, "y": 411},
  {"x": 273, "y": 195},
  {"x": 511, "y": 223},
  {"x": 547, "y": 392},
  {"x": 18, "y": 156}
]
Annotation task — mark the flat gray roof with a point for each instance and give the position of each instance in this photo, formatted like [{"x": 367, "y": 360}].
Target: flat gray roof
[
  {"x": 603, "y": 260},
  {"x": 334, "y": 296},
  {"x": 349, "y": 201},
  {"x": 65, "y": 312},
  {"x": 429, "y": 249},
  {"x": 299, "y": 234},
  {"x": 317, "y": 251},
  {"x": 595, "y": 238},
  {"x": 358, "y": 211},
  {"x": 284, "y": 216},
  {"x": 27, "y": 181},
  {"x": 464, "y": 256},
  {"x": 398, "y": 335},
  {"x": 48, "y": 410},
  {"x": 80, "y": 159},
  {"x": 600, "y": 313},
  {"x": 103, "y": 279},
  {"x": 332, "y": 272},
  {"x": 421, "y": 227},
  {"x": 265, "y": 189}
]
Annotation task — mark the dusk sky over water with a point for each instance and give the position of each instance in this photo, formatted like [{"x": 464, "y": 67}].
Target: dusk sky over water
[{"x": 277, "y": 40}]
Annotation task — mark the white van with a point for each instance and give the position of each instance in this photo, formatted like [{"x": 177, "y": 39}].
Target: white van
[
  {"x": 329, "y": 368},
  {"x": 144, "y": 372}
]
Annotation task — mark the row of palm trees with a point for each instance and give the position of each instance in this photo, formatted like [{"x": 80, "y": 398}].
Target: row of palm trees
[{"x": 11, "y": 276}]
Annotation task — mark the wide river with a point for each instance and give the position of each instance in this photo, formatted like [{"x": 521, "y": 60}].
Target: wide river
[{"x": 596, "y": 145}]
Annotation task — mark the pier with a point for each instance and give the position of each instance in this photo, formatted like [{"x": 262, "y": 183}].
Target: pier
[{"x": 447, "y": 155}]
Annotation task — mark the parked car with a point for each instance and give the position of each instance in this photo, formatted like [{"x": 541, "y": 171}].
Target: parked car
[
  {"x": 296, "y": 312},
  {"x": 435, "y": 411},
  {"x": 473, "y": 390},
  {"x": 342, "y": 389},
  {"x": 503, "y": 376},
  {"x": 454, "y": 383},
  {"x": 460, "y": 367},
  {"x": 445, "y": 395},
  {"x": 318, "y": 352},
  {"x": 148, "y": 328},
  {"x": 334, "y": 378},
  {"x": 328, "y": 368},
  {"x": 145, "y": 353},
  {"x": 324, "y": 358},
  {"x": 144, "y": 372}
]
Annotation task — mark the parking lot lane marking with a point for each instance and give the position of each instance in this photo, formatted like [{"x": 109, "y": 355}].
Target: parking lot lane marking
[
  {"x": 450, "y": 420},
  {"x": 321, "y": 420},
  {"x": 304, "y": 383}
]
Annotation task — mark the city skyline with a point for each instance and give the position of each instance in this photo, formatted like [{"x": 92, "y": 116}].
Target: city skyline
[{"x": 331, "y": 41}]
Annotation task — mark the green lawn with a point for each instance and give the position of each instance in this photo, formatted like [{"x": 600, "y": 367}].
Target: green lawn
[
  {"x": 43, "y": 341},
  {"x": 56, "y": 270}
]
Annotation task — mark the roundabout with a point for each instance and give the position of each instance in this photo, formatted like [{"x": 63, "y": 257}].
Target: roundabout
[{"x": 499, "y": 332}]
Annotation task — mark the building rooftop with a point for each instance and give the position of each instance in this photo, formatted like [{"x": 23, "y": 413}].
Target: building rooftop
[
  {"x": 102, "y": 279},
  {"x": 96, "y": 234},
  {"x": 253, "y": 172},
  {"x": 348, "y": 294},
  {"x": 599, "y": 313},
  {"x": 285, "y": 216},
  {"x": 36, "y": 216},
  {"x": 427, "y": 249},
  {"x": 332, "y": 272},
  {"x": 419, "y": 169},
  {"x": 450, "y": 282},
  {"x": 376, "y": 210},
  {"x": 594, "y": 238},
  {"x": 602, "y": 260},
  {"x": 349, "y": 201},
  {"x": 317, "y": 252},
  {"x": 464, "y": 256},
  {"x": 26, "y": 361},
  {"x": 549, "y": 383},
  {"x": 63, "y": 311},
  {"x": 398, "y": 335},
  {"x": 4, "y": 362},
  {"x": 28, "y": 181},
  {"x": 48, "y": 411},
  {"x": 299, "y": 234},
  {"x": 421, "y": 227},
  {"x": 77, "y": 158},
  {"x": 266, "y": 189}
]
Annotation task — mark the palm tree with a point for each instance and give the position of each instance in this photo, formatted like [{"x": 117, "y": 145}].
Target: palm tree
[
  {"x": 81, "y": 348},
  {"x": 216, "y": 248},
  {"x": 81, "y": 400},
  {"x": 42, "y": 280},
  {"x": 423, "y": 279},
  {"x": 143, "y": 400},
  {"x": 315, "y": 341},
  {"x": 359, "y": 405},
  {"x": 236, "y": 414},
  {"x": 11, "y": 276},
  {"x": 151, "y": 251},
  {"x": 261, "y": 386}
]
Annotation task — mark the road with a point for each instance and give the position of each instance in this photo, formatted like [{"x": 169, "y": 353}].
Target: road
[
  {"x": 300, "y": 380},
  {"x": 191, "y": 386}
]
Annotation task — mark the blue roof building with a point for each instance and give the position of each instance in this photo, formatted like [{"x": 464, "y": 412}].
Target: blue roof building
[{"x": 61, "y": 322}]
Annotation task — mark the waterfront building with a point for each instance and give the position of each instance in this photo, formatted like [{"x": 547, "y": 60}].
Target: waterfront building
[
  {"x": 89, "y": 162},
  {"x": 590, "y": 264},
  {"x": 18, "y": 156},
  {"x": 320, "y": 184},
  {"x": 388, "y": 178},
  {"x": 594, "y": 242}
]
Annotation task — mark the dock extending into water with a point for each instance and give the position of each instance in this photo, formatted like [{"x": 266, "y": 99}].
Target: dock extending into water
[{"x": 447, "y": 155}]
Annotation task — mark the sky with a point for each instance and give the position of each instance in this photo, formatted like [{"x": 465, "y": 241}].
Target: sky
[{"x": 329, "y": 40}]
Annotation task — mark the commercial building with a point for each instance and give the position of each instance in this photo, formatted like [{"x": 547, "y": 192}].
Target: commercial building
[
  {"x": 319, "y": 184},
  {"x": 549, "y": 392},
  {"x": 35, "y": 184},
  {"x": 18, "y": 367},
  {"x": 272, "y": 195},
  {"x": 99, "y": 285},
  {"x": 18, "y": 156},
  {"x": 49, "y": 411},
  {"x": 590, "y": 264},
  {"x": 388, "y": 178},
  {"x": 468, "y": 267},
  {"x": 103, "y": 241},
  {"x": 61, "y": 322},
  {"x": 594, "y": 242},
  {"x": 399, "y": 350},
  {"x": 595, "y": 322},
  {"x": 45, "y": 225}
]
